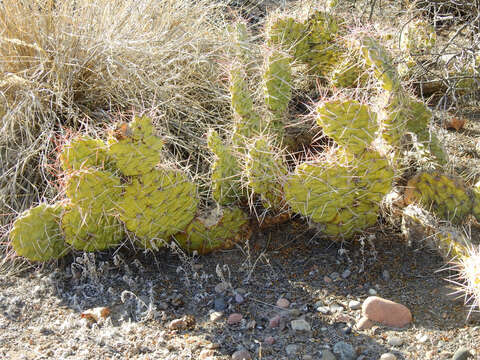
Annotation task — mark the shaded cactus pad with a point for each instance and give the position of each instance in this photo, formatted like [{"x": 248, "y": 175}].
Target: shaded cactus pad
[
  {"x": 83, "y": 152},
  {"x": 37, "y": 235}
]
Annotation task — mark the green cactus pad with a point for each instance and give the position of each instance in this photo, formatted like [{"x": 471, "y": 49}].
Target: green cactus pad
[
  {"x": 291, "y": 35},
  {"x": 94, "y": 190},
  {"x": 446, "y": 196},
  {"x": 375, "y": 176},
  {"x": 394, "y": 117},
  {"x": 265, "y": 172},
  {"x": 278, "y": 83},
  {"x": 226, "y": 186},
  {"x": 349, "y": 123},
  {"x": 349, "y": 72},
  {"x": 476, "y": 201},
  {"x": 83, "y": 152},
  {"x": 37, "y": 235},
  {"x": 220, "y": 228},
  {"x": 88, "y": 231},
  {"x": 157, "y": 205}
]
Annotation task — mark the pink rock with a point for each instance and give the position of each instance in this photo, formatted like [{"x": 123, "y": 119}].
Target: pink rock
[
  {"x": 364, "y": 323},
  {"x": 283, "y": 303},
  {"x": 275, "y": 321},
  {"x": 270, "y": 340},
  {"x": 386, "y": 312},
  {"x": 241, "y": 355},
  {"x": 234, "y": 318},
  {"x": 177, "y": 324}
]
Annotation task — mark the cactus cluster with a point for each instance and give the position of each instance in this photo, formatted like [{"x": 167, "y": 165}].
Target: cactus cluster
[{"x": 417, "y": 36}]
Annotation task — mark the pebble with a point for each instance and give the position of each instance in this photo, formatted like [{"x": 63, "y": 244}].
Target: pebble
[
  {"x": 205, "y": 353},
  {"x": 346, "y": 274},
  {"x": 215, "y": 316},
  {"x": 354, "y": 305},
  {"x": 220, "y": 304},
  {"x": 324, "y": 310},
  {"x": 177, "y": 324},
  {"x": 386, "y": 312},
  {"x": 422, "y": 338},
  {"x": 234, "y": 318},
  {"x": 372, "y": 292},
  {"x": 388, "y": 356},
  {"x": 386, "y": 275},
  {"x": 300, "y": 325},
  {"x": 274, "y": 322},
  {"x": 239, "y": 298},
  {"x": 292, "y": 349},
  {"x": 327, "y": 279},
  {"x": 241, "y": 355},
  {"x": 220, "y": 288},
  {"x": 269, "y": 340},
  {"x": 336, "y": 308},
  {"x": 334, "y": 276},
  {"x": 327, "y": 355},
  {"x": 461, "y": 354},
  {"x": 344, "y": 350},
  {"x": 307, "y": 357},
  {"x": 283, "y": 303},
  {"x": 251, "y": 324},
  {"x": 395, "y": 341},
  {"x": 364, "y": 323}
]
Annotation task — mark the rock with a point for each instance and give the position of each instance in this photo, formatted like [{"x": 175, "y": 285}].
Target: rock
[
  {"x": 386, "y": 275},
  {"x": 307, "y": 357},
  {"x": 327, "y": 355},
  {"x": 395, "y": 341},
  {"x": 461, "y": 354},
  {"x": 335, "y": 276},
  {"x": 300, "y": 325},
  {"x": 269, "y": 340},
  {"x": 241, "y": 355},
  {"x": 177, "y": 324},
  {"x": 345, "y": 351},
  {"x": 251, "y": 324},
  {"x": 219, "y": 303},
  {"x": 324, "y": 310},
  {"x": 386, "y": 312},
  {"x": 347, "y": 330},
  {"x": 206, "y": 353},
  {"x": 346, "y": 274},
  {"x": 274, "y": 322},
  {"x": 422, "y": 338},
  {"x": 327, "y": 279},
  {"x": 364, "y": 323},
  {"x": 354, "y": 305},
  {"x": 388, "y": 356},
  {"x": 215, "y": 316},
  {"x": 336, "y": 308},
  {"x": 292, "y": 349},
  {"x": 239, "y": 298},
  {"x": 283, "y": 303},
  {"x": 234, "y": 318},
  {"x": 220, "y": 288},
  {"x": 372, "y": 292}
]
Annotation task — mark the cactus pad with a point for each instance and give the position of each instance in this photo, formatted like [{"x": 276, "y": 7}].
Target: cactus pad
[
  {"x": 418, "y": 36},
  {"x": 476, "y": 201},
  {"x": 291, "y": 35},
  {"x": 348, "y": 72},
  {"x": 91, "y": 231},
  {"x": 349, "y": 123},
  {"x": 37, "y": 235},
  {"x": 158, "y": 204},
  {"x": 278, "y": 83},
  {"x": 446, "y": 196},
  {"x": 221, "y": 228},
  {"x": 82, "y": 152}
]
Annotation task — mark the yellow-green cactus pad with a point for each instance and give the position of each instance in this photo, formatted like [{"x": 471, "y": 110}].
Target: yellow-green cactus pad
[
  {"x": 82, "y": 152},
  {"x": 417, "y": 36},
  {"x": 91, "y": 231},
  {"x": 375, "y": 176},
  {"x": 377, "y": 57},
  {"x": 278, "y": 83},
  {"x": 476, "y": 201},
  {"x": 348, "y": 72},
  {"x": 225, "y": 177},
  {"x": 393, "y": 118},
  {"x": 266, "y": 172},
  {"x": 157, "y": 205},
  {"x": 219, "y": 228},
  {"x": 291, "y": 35},
  {"x": 37, "y": 235},
  {"x": 349, "y": 123},
  {"x": 134, "y": 148},
  {"x": 94, "y": 190},
  {"x": 445, "y": 195}
]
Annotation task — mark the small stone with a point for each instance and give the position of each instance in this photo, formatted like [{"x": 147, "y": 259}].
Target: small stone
[
  {"x": 283, "y": 303},
  {"x": 461, "y": 354},
  {"x": 220, "y": 288},
  {"x": 234, "y": 318},
  {"x": 327, "y": 279},
  {"x": 345, "y": 351},
  {"x": 386, "y": 275},
  {"x": 251, "y": 324},
  {"x": 324, "y": 310},
  {"x": 215, "y": 316},
  {"x": 274, "y": 322},
  {"x": 219, "y": 303},
  {"x": 395, "y": 341},
  {"x": 292, "y": 349},
  {"x": 335, "y": 276},
  {"x": 347, "y": 330},
  {"x": 336, "y": 308},
  {"x": 241, "y": 291},
  {"x": 372, "y": 292},
  {"x": 241, "y": 355},
  {"x": 386, "y": 312},
  {"x": 364, "y": 323},
  {"x": 354, "y": 304},
  {"x": 388, "y": 356},
  {"x": 269, "y": 340},
  {"x": 177, "y": 324},
  {"x": 328, "y": 355},
  {"x": 300, "y": 325},
  {"x": 307, "y": 357},
  {"x": 206, "y": 353},
  {"x": 239, "y": 298},
  {"x": 346, "y": 274},
  {"x": 422, "y": 338}
]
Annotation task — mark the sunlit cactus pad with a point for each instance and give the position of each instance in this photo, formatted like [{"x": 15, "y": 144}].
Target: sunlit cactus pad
[
  {"x": 37, "y": 235},
  {"x": 218, "y": 228},
  {"x": 291, "y": 35},
  {"x": 83, "y": 152},
  {"x": 158, "y": 204},
  {"x": 278, "y": 83},
  {"x": 89, "y": 231}
]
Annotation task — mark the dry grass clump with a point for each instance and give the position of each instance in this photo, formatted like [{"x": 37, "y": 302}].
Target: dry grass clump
[{"x": 78, "y": 63}]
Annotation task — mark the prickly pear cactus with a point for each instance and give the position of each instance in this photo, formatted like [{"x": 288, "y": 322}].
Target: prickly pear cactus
[
  {"x": 218, "y": 228},
  {"x": 348, "y": 72},
  {"x": 94, "y": 190},
  {"x": 349, "y": 123},
  {"x": 375, "y": 176},
  {"x": 266, "y": 172},
  {"x": 134, "y": 148},
  {"x": 289, "y": 34},
  {"x": 446, "y": 196},
  {"x": 226, "y": 185},
  {"x": 417, "y": 36},
  {"x": 88, "y": 231},
  {"x": 476, "y": 201},
  {"x": 82, "y": 152},
  {"x": 157, "y": 205},
  {"x": 37, "y": 235}
]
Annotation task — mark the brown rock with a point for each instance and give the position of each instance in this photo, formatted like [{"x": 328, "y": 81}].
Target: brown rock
[
  {"x": 364, "y": 323},
  {"x": 241, "y": 355},
  {"x": 206, "y": 353},
  {"x": 274, "y": 321},
  {"x": 234, "y": 318},
  {"x": 177, "y": 324},
  {"x": 386, "y": 312}
]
